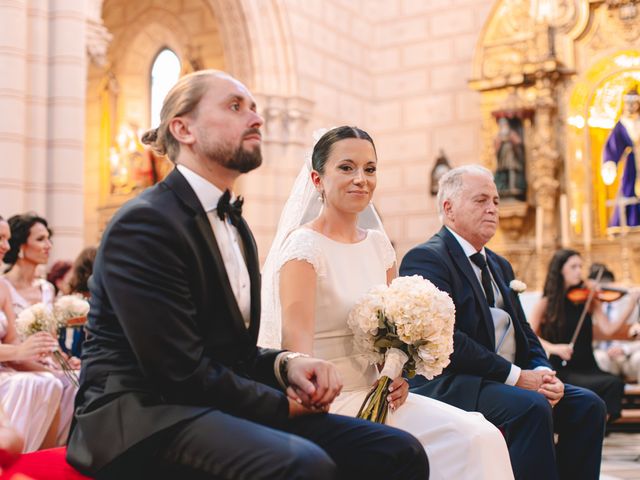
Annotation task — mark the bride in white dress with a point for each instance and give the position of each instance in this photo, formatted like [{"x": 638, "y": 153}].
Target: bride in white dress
[{"x": 321, "y": 262}]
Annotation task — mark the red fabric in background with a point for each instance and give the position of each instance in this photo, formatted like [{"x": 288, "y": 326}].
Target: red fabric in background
[{"x": 48, "y": 464}]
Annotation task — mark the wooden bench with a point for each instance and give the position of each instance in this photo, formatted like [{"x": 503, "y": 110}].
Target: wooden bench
[{"x": 630, "y": 416}]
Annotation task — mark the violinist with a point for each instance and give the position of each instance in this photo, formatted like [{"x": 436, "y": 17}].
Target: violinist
[
  {"x": 555, "y": 319},
  {"x": 620, "y": 357}
]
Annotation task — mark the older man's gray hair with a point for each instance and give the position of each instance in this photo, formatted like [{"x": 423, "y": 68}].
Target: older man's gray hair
[{"x": 450, "y": 184}]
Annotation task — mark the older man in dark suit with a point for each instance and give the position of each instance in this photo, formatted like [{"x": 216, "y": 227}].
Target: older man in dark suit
[
  {"x": 172, "y": 384},
  {"x": 498, "y": 366}
]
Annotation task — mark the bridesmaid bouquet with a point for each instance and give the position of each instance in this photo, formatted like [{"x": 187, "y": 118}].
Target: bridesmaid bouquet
[
  {"x": 68, "y": 311},
  {"x": 71, "y": 311},
  {"x": 408, "y": 327}
]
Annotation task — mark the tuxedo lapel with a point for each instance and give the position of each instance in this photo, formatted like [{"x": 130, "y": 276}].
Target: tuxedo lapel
[
  {"x": 176, "y": 181},
  {"x": 464, "y": 265},
  {"x": 204, "y": 226},
  {"x": 253, "y": 266}
]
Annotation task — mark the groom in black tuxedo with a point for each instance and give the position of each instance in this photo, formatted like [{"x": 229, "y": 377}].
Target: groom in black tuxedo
[
  {"x": 172, "y": 383},
  {"x": 498, "y": 366}
]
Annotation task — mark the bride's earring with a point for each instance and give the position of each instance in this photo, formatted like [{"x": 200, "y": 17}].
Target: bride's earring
[{"x": 20, "y": 253}]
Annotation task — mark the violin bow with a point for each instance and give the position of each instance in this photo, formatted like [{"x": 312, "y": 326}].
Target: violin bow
[{"x": 583, "y": 315}]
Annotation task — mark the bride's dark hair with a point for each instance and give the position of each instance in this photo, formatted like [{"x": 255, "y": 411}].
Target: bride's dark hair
[{"x": 322, "y": 149}]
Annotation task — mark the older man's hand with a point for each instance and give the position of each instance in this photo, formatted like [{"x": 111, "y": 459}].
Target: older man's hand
[
  {"x": 532, "y": 379},
  {"x": 552, "y": 388}
]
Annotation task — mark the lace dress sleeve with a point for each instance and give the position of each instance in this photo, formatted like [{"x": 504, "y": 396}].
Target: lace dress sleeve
[
  {"x": 302, "y": 244},
  {"x": 384, "y": 247}
]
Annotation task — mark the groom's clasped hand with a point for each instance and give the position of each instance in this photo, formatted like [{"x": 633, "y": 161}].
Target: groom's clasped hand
[{"x": 313, "y": 385}]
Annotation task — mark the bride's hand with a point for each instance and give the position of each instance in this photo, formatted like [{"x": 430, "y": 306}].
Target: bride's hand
[
  {"x": 301, "y": 398},
  {"x": 317, "y": 382},
  {"x": 399, "y": 390},
  {"x": 298, "y": 395}
]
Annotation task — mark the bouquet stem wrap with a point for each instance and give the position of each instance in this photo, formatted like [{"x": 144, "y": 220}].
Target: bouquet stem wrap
[{"x": 376, "y": 406}]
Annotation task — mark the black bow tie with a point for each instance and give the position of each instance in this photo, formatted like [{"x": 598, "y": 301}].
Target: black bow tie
[{"x": 231, "y": 209}]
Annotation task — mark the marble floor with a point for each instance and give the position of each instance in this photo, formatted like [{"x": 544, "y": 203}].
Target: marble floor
[{"x": 621, "y": 457}]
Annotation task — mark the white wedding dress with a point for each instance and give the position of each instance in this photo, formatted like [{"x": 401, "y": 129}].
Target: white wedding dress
[
  {"x": 30, "y": 400},
  {"x": 459, "y": 444}
]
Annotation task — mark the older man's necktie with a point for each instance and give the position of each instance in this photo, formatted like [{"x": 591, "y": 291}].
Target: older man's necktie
[{"x": 480, "y": 261}]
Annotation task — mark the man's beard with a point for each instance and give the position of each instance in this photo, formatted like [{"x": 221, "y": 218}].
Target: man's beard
[
  {"x": 240, "y": 159},
  {"x": 244, "y": 160}
]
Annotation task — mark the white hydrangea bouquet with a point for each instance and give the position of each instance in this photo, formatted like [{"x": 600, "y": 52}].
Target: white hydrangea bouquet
[
  {"x": 68, "y": 311},
  {"x": 408, "y": 327},
  {"x": 36, "y": 318},
  {"x": 71, "y": 311}
]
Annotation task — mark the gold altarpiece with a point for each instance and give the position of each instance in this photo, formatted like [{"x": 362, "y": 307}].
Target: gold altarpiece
[{"x": 562, "y": 67}]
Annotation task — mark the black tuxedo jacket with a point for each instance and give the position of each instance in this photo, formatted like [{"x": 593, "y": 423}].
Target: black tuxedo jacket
[
  {"x": 442, "y": 261},
  {"x": 166, "y": 341}
]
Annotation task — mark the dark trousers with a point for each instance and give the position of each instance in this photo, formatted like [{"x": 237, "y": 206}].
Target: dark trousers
[
  {"x": 528, "y": 423},
  {"x": 609, "y": 388},
  {"x": 219, "y": 446}
]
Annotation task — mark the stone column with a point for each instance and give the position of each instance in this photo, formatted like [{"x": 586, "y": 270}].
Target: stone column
[
  {"x": 37, "y": 130},
  {"x": 66, "y": 124},
  {"x": 13, "y": 82}
]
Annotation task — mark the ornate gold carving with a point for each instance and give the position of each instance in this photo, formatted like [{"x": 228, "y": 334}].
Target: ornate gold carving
[
  {"x": 512, "y": 218},
  {"x": 623, "y": 16},
  {"x": 566, "y": 13},
  {"x": 527, "y": 48},
  {"x": 546, "y": 157}
]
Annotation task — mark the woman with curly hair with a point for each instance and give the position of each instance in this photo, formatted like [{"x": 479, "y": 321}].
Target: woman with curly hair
[{"x": 554, "y": 319}]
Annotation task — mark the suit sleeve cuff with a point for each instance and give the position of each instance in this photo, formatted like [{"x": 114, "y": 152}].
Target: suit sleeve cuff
[
  {"x": 513, "y": 376},
  {"x": 276, "y": 369},
  {"x": 543, "y": 367}
]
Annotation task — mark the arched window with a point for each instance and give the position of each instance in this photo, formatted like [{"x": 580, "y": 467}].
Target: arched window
[{"x": 164, "y": 74}]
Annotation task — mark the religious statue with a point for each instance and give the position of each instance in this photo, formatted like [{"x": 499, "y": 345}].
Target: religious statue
[
  {"x": 623, "y": 146},
  {"x": 510, "y": 171},
  {"x": 441, "y": 167}
]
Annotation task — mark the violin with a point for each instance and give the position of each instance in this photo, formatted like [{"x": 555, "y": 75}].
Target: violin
[
  {"x": 580, "y": 293},
  {"x": 587, "y": 303}
]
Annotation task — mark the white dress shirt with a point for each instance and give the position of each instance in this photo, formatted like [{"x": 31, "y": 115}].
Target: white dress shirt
[
  {"x": 505, "y": 339},
  {"x": 228, "y": 239}
]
